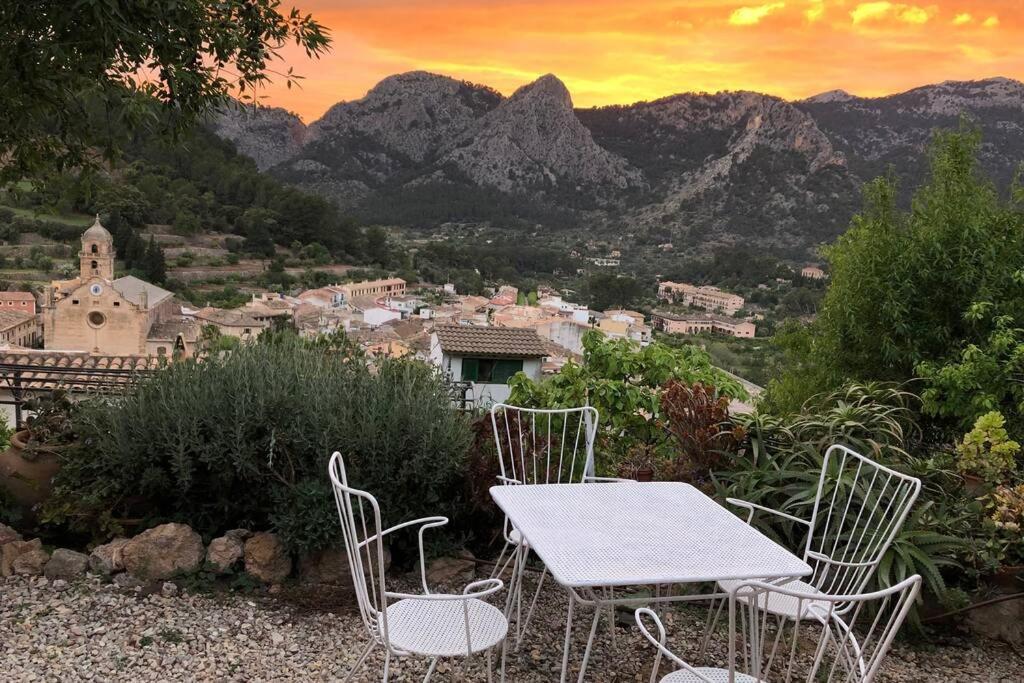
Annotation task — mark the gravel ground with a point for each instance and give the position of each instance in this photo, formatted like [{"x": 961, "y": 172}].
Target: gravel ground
[{"x": 94, "y": 631}]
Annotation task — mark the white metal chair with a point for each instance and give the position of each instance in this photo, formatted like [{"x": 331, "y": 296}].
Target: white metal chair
[
  {"x": 856, "y": 633},
  {"x": 540, "y": 446},
  {"x": 858, "y": 509},
  {"x": 430, "y": 625}
]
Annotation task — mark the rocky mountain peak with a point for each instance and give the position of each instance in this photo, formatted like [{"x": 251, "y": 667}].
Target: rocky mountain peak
[{"x": 830, "y": 96}]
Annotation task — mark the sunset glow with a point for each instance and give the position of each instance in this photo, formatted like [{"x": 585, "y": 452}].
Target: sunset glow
[{"x": 612, "y": 52}]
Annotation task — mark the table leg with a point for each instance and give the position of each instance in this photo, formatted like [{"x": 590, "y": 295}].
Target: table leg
[
  {"x": 513, "y": 581},
  {"x": 568, "y": 638},
  {"x": 590, "y": 641}
]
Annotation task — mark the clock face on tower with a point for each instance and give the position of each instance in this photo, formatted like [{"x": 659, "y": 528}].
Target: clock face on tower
[{"x": 96, "y": 290}]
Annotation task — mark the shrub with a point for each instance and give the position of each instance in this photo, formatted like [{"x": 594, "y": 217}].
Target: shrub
[
  {"x": 243, "y": 439},
  {"x": 698, "y": 418},
  {"x": 987, "y": 450}
]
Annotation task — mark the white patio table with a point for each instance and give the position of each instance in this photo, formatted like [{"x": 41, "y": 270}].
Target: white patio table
[{"x": 594, "y": 537}]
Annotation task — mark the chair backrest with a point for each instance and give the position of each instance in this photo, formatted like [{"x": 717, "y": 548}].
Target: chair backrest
[
  {"x": 544, "y": 446},
  {"x": 360, "y": 520},
  {"x": 854, "y": 632},
  {"x": 859, "y": 508}
]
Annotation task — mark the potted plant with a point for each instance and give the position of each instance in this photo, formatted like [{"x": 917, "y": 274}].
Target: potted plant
[
  {"x": 986, "y": 454},
  {"x": 30, "y": 461},
  {"x": 1005, "y": 506},
  {"x": 640, "y": 463}
]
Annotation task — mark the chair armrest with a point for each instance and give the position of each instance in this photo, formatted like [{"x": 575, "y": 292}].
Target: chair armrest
[
  {"x": 754, "y": 507},
  {"x": 507, "y": 480},
  {"x": 659, "y": 643},
  {"x": 607, "y": 480},
  {"x": 472, "y": 591},
  {"x": 424, "y": 524}
]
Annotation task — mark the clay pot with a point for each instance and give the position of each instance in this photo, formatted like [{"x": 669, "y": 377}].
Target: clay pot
[
  {"x": 644, "y": 474},
  {"x": 1008, "y": 579},
  {"x": 27, "y": 481}
]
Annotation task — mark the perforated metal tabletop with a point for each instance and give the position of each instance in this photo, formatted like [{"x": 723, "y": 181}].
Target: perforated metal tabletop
[{"x": 628, "y": 534}]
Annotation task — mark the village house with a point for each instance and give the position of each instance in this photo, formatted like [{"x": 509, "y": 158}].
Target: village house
[
  {"x": 812, "y": 273},
  {"x": 371, "y": 288},
  {"x": 231, "y": 323},
  {"x": 486, "y": 357},
  {"x": 706, "y": 297},
  {"x": 22, "y": 302},
  {"x": 696, "y": 324},
  {"x": 268, "y": 306},
  {"x": 100, "y": 314},
  {"x": 18, "y": 328}
]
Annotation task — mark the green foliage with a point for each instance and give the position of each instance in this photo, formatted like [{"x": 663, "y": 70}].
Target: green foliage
[
  {"x": 610, "y": 290},
  {"x": 243, "y": 439},
  {"x": 987, "y": 450},
  {"x": 783, "y": 458},
  {"x": 59, "y": 103},
  {"x": 910, "y": 291},
  {"x": 623, "y": 381}
]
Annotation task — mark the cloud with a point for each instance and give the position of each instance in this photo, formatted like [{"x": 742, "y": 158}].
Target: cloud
[
  {"x": 815, "y": 11},
  {"x": 962, "y": 18},
  {"x": 877, "y": 11},
  {"x": 991, "y": 22},
  {"x": 748, "y": 16}
]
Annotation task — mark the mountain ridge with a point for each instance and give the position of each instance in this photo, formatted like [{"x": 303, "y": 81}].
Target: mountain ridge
[{"x": 695, "y": 169}]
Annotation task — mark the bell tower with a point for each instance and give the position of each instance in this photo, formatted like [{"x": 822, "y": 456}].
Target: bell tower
[{"x": 97, "y": 256}]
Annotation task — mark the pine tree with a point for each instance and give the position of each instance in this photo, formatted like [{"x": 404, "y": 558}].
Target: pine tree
[{"x": 154, "y": 265}]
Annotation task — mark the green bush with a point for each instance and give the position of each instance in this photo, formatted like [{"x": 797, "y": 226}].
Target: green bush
[{"x": 243, "y": 439}]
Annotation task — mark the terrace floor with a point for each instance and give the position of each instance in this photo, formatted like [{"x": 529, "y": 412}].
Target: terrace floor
[{"x": 94, "y": 631}]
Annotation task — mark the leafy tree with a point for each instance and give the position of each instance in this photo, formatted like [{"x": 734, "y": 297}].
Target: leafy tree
[
  {"x": 78, "y": 75},
  {"x": 912, "y": 291},
  {"x": 610, "y": 290}
]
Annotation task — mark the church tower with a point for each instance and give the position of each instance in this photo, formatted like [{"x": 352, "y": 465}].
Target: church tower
[{"x": 97, "y": 256}]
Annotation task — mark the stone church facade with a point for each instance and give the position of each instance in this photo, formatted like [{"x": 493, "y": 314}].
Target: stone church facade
[{"x": 101, "y": 314}]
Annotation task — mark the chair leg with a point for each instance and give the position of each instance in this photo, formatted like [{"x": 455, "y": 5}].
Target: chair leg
[
  {"x": 504, "y": 650},
  {"x": 521, "y": 628},
  {"x": 502, "y": 564},
  {"x": 590, "y": 642},
  {"x": 513, "y": 582},
  {"x": 387, "y": 665},
  {"x": 362, "y": 658},
  {"x": 490, "y": 666},
  {"x": 430, "y": 669}
]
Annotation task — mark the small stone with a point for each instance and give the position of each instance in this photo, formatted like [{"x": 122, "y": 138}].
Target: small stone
[
  {"x": 66, "y": 564},
  {"x": 266, "y": 558},
  {"x": 127, "y": 581},
  {"x": 59, "y": 585},
  {"x": 169, "y": 589},
  {"x": 276, "y": 638}
]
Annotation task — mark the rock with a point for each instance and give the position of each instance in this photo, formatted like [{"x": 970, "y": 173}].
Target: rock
[
  {"x": 330, "y": 567},
  {"x": 127, "y": 581},
  {"x": 168, "y": 590},
  {"x": 1002, "y": 621},
  {"x": 59, "y": 585},
  {"x": 163, "y": 552},
  {"x": 242, "y": 535},
  {"x": 66, "y": 564},
  {"x": 224, "y": 552},
  {"x": 7, "y": 534},
  {"x": 451, "y": 570},
  {"x": 23, "y": 557},
  {"x": 266, "y": 558},
  {"x": 106, "y": 559}
]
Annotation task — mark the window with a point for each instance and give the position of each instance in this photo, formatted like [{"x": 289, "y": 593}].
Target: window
[
  {"x": 95, "y": 250},
  {"x": 96, "y": 319},
  {"x": 74, "y": 302},
  {"x": 95, "y": 265},
  {"x": 490, "y": 370},
  {"x": 117, "y": 303},
  {"x": 161, "y": 350}
]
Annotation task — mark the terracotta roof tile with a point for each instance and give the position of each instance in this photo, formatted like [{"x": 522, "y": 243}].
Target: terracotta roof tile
[{"x": 499, "y": 342}]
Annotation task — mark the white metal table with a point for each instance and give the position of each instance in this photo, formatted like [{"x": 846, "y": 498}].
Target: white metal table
[{"x": 592, "y": 537}]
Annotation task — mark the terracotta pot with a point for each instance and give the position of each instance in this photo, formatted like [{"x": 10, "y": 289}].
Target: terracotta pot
[
  {"x": 973, "y": 484},
  {"x": 1008, "y": 578},
  {"x": 644, "y": 474},
  {"x": 27, "y": 481}
]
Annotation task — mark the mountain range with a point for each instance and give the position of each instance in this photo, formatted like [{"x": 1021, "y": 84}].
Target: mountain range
[{"x": 695, "y": 169}]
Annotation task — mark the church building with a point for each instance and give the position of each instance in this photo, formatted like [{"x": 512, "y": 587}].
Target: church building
[{"x": 102, "y": 315}]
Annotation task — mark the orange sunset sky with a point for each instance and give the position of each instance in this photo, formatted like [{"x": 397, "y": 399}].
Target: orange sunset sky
[{"x": 620, "y": 52}]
